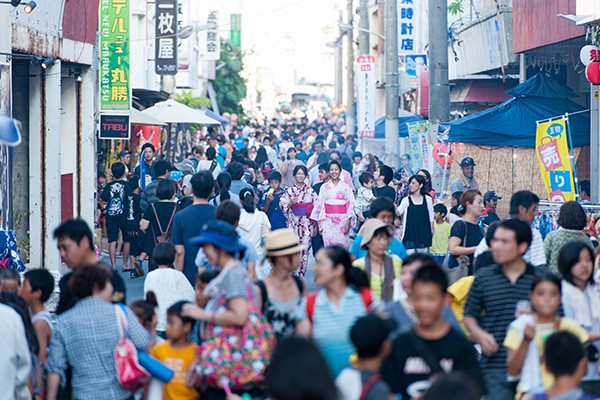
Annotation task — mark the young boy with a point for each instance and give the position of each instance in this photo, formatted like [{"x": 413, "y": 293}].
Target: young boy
[
  {"x": 10, "y": 281},
  {"x": 177, "y": 353},
  {"x": 441, "y": 234},
  {"x": 323, "y": 177},
  {"x": 383, "y": 188},
  {"x": 169, "y": 285},
  {"x": 564, "y": 357},
  {"x": 270, "y": 202},
  {"x": 370, "y": 337},
  {"x": 116, "y": 196},
  {"x": 364, "y": 196},
  {"x": 134, "y": 233},
  {"x": 432, "y": 346},
  {"x": 38, "y": 285}
]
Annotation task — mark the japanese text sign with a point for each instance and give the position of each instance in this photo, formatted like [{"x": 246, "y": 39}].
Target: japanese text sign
[
  {"x": 213, "y": 43},
  {"x": 406, "y": 27},
  {"x": 365, "y": 77},
  {"x": 419, "y": 147},
  {"x": 552, "y": 149},
  {"x": 115, "y": 84},
  {"x": 165, "y": 45}
]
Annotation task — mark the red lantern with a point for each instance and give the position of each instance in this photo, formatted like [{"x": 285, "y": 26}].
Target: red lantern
[{"x": 592, "y": 72}]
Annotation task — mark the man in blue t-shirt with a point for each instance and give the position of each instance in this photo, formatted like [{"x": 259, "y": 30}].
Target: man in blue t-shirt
[
  {"x": 383, "y": 209},
  {"x": 188, "y": 223},
  {"x": 270, "y": 202}
]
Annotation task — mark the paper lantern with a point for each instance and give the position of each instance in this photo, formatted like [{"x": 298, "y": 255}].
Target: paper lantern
[{"x": 592, "y": 72}]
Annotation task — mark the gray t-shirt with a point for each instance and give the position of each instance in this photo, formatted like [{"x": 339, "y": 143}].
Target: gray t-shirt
[
  {"x": 350, "y": 383},
  {"x": 236, "y": 283}
]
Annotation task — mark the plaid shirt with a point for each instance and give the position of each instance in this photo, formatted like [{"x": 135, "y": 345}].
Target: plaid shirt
[{"x": 85, "y": 337}]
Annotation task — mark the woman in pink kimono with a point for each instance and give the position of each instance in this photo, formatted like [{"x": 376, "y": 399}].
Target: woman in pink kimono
[
  {"x": 334, "y": 209},
  {"x": 297, "y": 203}
]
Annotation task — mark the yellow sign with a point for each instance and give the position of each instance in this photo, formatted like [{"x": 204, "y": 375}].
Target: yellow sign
[{"x": 552, "y": 149}]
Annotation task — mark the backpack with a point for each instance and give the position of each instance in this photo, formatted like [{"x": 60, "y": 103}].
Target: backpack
[
  {"x": 311, "y": 299},
  {"x": 115, "y": 204},
  {"x": 373, "y": 379},
  {"x": 164, "y": 236}
]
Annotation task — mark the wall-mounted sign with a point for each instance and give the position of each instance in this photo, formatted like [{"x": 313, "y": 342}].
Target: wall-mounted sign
[
  {"x": 114, "y": 126},
  {"x": 165, "y": 44}
]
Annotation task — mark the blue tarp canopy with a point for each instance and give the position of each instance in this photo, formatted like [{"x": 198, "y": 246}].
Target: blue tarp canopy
[
  {"x": 402, "y": 120},
  {"x": 214, "y": 115},
  {"x": 513, "y": 122}
]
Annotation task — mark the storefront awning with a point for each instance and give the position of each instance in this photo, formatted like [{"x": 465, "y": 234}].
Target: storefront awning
[{"x": 481, "y": 91}]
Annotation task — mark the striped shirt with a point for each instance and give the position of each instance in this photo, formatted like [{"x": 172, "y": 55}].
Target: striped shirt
[
  {"x": 493, "y": 301},
  {"x": 331, "y": 327}
]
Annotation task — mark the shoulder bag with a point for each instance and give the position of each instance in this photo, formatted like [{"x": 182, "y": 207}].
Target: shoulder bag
[
  {"x": 464, "y": 261},
  {"x": 131, "y": 375}
]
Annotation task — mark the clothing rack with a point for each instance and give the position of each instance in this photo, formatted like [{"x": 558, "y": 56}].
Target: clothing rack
[{"x": 555, "y": 206}]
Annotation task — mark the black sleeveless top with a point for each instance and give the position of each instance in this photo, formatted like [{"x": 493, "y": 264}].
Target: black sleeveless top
[{"x": 417, "y": 232}]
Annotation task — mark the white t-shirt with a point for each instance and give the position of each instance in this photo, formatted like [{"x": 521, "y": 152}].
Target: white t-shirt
[
  {"x": 170, "y": 286},
  {"x": 204, "y": 165}
]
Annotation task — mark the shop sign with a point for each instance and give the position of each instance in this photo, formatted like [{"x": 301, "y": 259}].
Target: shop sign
[
  {"x": 365, "y": 78},
  {"x": 589, "y": 53},
  {"x": 165, "y": 42},
  {"x": 114, "y": 126}
]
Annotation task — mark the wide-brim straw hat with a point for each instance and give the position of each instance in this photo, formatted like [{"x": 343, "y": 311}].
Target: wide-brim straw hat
[
  {"x": 370, "y": 227},
  {"x": 282, "y": 242}
]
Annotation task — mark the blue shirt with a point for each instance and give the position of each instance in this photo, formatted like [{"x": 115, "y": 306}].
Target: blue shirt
[
  {"x": 276, "y": 216},
  {"x": 187, "y": 224},
  {"x": 239, "y": 143},
  {"x": 395, "y": 247},
  {"x": 221, "y": 155},
  {"x": 85, "y": 337},
  {"x": 332, "y": 324}
]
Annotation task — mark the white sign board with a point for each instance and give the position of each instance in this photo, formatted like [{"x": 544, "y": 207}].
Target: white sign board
[
  {"x": 365, "y": 80},
  {"x": 210, "y": 42}
]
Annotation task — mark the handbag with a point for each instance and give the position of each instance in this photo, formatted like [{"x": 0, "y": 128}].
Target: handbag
[
  {"x": 165, "y": 236},
  {"x": 462, "y": 270},
  {"x": 237, "y": 355},
  {"x": 131, "y": 375}
]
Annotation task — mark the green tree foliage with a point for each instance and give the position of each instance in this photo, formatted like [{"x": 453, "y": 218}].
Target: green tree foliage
[
  {"x": 188, "y": 98},
  {"x": 228, "y": 83},
  {"x": 456, "y": 7}
]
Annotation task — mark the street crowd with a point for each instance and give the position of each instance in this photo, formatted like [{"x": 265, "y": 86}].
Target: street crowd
[{"x": 415, "y": 299}]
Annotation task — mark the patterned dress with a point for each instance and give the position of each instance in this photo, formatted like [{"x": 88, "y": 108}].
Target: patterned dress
[
  {"x": 333, "y": 208},
  {"x": 301, "y": 224}
]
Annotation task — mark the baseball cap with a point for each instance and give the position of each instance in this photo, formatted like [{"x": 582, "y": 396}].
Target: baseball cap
[
  {"x": 491, "y": 195},
  {"x": 467, "y": 161},
  {"x": 369, "y": 333},
  {"x": 124, "y": 153}
]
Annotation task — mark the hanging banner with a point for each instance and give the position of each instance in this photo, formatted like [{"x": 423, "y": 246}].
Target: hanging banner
[
  {"x": 365, "y": 80},
  {"x": 418, "y": 145},
  {"x": 209, "y": 39},
  {"x": 235, "y": 30},
  {"x": 554, "y": 157},
  {"x": 165, "y": 42},
  {"x": 115, "y": 85}
]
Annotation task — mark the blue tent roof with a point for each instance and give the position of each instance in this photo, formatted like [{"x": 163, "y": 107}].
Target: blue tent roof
[
  {"x": 513, "y": 122},
  {"x": 402, "y": 121},
  {"x": 214, "y": 115}
]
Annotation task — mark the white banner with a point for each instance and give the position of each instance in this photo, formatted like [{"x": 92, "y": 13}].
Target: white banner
[
  {"x": 209, "y": 40},
  {"x": 365, "y": 80}
]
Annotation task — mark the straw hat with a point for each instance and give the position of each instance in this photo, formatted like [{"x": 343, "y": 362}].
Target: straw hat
[
  {"x": 282, "y": 242},
  {"x": 368, "y": 230}
]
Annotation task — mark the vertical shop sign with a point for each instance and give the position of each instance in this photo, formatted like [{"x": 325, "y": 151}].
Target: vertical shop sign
[
  {"x": 554, "y": 157},
  {"x": 365, "y": 78},
  {"x": 165, "y": 45},
  {"x": 406, "y": 27},
  {"x": 235, "y": 30},
  {"x": 419, "y": 147},
  {"x": 115, "y": 86}
]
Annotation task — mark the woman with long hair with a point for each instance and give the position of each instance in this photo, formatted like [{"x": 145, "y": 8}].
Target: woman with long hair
[
  {"x": 466, "y": 233},
  {"x": 334, "y": 209},
  {"x": 425, "y": 174},
  {"x": 289, "y": 166},
  {"x": 262, "y": 160},
  {"x": 223, "y": 190},
  {"x": 416, "y": 211},
  {"x": 253, "y": 227},
  {"x": 296, "y": 203}
]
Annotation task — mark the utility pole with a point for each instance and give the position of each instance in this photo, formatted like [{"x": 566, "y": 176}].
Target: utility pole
[
  {"x": 339, "y": 63},
  {"x": 594, "y": 145},
  {"x": 363, "y": 35},
  {"x": 350, "y": 117},
  {"x": 391, "y": 81},
  {"x": 439, "y": 89}
]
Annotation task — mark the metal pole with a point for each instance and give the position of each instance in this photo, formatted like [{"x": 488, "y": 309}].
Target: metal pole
[
  {"x": 594, "y": 146},
  {"x": 391, "y": 81},
  {"x": 439, "y": 89},
  {"x": 339, "y": 64},
  {"x": 363, "y": 34},
  {"x": 350, "y": 117}
]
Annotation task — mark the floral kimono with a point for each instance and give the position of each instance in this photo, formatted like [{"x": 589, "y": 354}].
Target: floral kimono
[
  {"x": 298, "y": 217},
  {"x": 333, "y": 208}
]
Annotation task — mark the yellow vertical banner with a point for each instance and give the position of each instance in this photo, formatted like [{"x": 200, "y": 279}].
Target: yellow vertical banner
[{"x": 552, "y": 149}]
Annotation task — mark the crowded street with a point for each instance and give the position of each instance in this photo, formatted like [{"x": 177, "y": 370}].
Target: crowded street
[{"x": 300, "y": 200}]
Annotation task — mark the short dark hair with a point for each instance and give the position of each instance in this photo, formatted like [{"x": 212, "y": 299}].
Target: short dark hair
[
  {"x": 10, "y": 275},
  {"x": 432, "y": 273},
  {"x": 203, "y": 184},
  {"x": 546, "y": 277},
  {"x": 40, "y": 279},
  {"x": 75, "y": 229},
  {"x": 563, "y": 352},
  {"x": 118, "y": 170},
  {"x": 520, "y": 228},
  {"x": 166, "y": 189},
  {"x": 163, "y": 254},
  {"x": 442, "y": 209},
  {"x": 568, "y": 256},
  {"x": 522, "y": 198},
  {"x": 324, "y": 167},
  {"x": 134, "y": 182},
  {"x": 210, "y": 153},
  {"x": 274, "y": 176},
  {"x": 316, "y": 142},
  {"x": 585, "y": 186},
  {"x": 381, "y": 204},
  {"x": 356, "y": 154},
  {"x": 365, "y": 178},
  {"x": 148, "y": 145},
  {"x": 207, "y": 276},
  {"x": 176, "y": 309},
  {"x": 298, "y": 168},
  {"x": 387, "y": 173},
  {"x": 228, "y": 211},
  {"x": 236, "y": 170},
  {"x": 87, "y": 278},
  {"x": 572, "y": 216},
  {"x": 161, "y": 167}
]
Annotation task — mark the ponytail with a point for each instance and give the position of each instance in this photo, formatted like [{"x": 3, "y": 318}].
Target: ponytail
[
  {"x": 144, "y": 308},
  {"x": 353, "y": 276},
  {"x": 224, "y": 196},
  {"x": 247, "y": 200}
]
